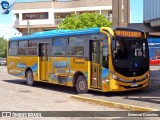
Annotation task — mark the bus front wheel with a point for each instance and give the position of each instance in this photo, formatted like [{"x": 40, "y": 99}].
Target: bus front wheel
[
  {"x": 81, "y": 85},
  {"x": 29, "y": 78}
]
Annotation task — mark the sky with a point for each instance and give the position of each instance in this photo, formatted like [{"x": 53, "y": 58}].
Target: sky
[
  {"x": 136, "y": 7},
  {"x": 6, "y": 29}
]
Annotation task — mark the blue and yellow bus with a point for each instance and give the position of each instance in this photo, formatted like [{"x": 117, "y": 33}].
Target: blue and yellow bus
[{"x": 101, "y": 59}]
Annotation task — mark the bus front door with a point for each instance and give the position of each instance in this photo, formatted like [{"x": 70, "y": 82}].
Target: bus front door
[
  {"x": 43, "y": 61},
  {"x": 96, "y": 69}
]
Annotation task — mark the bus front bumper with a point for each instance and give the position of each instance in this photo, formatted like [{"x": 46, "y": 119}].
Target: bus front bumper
[{"x": 115, "y": 85}]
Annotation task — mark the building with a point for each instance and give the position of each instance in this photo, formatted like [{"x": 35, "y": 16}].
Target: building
[
  {"x": 121, "y": 13},
  {"x": 151, "y": 15},
  {"x": 151, "y": 18},
  {"x": 30, "y": 17},
  {"x": 151, "y": 25}
]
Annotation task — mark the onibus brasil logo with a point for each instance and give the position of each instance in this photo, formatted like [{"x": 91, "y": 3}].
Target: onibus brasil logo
[{"x": 6, "y": 6}]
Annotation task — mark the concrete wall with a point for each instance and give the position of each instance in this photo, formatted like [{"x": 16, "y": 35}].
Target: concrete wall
[
  {"x": 61, "y": 5},
  {"x": 50, "y": 20}
]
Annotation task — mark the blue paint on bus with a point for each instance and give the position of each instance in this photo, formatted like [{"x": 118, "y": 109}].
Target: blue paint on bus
[{"x": 56, "y": 33}]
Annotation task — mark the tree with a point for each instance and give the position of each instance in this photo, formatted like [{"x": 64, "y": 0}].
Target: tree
[
  {"x": 85, "y": 20},
  {"x": 3, "y": 48}
]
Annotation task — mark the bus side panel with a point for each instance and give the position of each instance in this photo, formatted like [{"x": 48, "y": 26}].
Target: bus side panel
[
  {"x": 62, "y": 69},
  {"x": 17, "y": 66},
  {"x": 105, "y": 79},
  {"x": 79, "y": 65}
]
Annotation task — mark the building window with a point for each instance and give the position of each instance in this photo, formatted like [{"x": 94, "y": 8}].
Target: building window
[{"x": 32, "y": 16}]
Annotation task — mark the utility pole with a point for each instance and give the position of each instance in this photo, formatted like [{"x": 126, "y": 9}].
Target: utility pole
[
  {"x": 121, "y": 13},
  {"x": 28, "y": 30}
]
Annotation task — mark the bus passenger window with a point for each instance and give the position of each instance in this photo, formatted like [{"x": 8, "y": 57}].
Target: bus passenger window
[{"x": 105, "y": 57}]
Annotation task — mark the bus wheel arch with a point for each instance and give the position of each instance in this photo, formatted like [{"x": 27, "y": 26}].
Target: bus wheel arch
[
  {"x": 80, "y": 82},
  {"x": 29, "y": 77}
]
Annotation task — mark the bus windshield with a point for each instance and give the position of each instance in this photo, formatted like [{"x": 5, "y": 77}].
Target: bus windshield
[{"x": 129, "y": 52}]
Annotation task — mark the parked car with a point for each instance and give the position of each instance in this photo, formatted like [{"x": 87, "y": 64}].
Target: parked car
[
  {"x": 155, "y": 61},
  {"x": 3, "y": 61}
]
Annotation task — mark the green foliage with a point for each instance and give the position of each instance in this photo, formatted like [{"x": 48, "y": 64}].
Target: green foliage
[
  {"x": 85, "y": 20},
  {"x": 3, "y": 48}
]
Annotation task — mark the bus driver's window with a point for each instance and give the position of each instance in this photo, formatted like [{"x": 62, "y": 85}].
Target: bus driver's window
[{"x": 117, "y": 52}]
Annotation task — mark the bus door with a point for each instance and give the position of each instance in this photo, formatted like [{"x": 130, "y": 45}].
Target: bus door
[
  {"x": 43, "y": 53},
  {"x": 96, "y": 68}
]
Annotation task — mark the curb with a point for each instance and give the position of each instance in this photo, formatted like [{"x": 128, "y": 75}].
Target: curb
[{"x": 112, "y": 104}]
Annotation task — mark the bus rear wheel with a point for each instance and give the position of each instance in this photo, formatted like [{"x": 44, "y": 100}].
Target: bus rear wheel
[
  {"x": 81, "y": 85},
  {"x": 29, "y": 78}
]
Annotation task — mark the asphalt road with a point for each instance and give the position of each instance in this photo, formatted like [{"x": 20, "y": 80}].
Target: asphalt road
[
  {"x": 15, "y": 95},
  {"x": 148, "y": 97}
]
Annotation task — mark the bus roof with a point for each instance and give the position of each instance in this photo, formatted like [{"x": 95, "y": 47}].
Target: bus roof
[{"x": 56, "y": 33}]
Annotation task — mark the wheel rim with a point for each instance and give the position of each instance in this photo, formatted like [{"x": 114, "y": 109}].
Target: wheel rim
[
  {"x": 29, "y": 78},
  {"x": 82, "y": 85}
]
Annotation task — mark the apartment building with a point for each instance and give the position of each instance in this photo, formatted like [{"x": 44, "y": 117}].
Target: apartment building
[{"x": 30, "y": 17}]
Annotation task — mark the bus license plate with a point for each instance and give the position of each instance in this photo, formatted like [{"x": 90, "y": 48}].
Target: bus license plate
[{"x": 134, "y": 85}]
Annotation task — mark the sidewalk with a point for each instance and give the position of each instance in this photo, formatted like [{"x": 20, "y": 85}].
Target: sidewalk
[
  {"x": 147, "y": 98},
  {"x": 3, "y": 69}
]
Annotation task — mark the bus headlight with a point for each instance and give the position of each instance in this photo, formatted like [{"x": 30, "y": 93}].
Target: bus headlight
[
  {"x": 147, "y": 76},
  {"x": 113, "y": 76}
]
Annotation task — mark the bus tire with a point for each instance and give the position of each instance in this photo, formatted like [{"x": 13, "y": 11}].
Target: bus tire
[
  {"x": 29, "y": 78},
  {"x": 81, "y": 85}
]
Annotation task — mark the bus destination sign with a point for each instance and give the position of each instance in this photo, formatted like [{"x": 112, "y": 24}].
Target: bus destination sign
[{"x": 123, "y": 33}]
